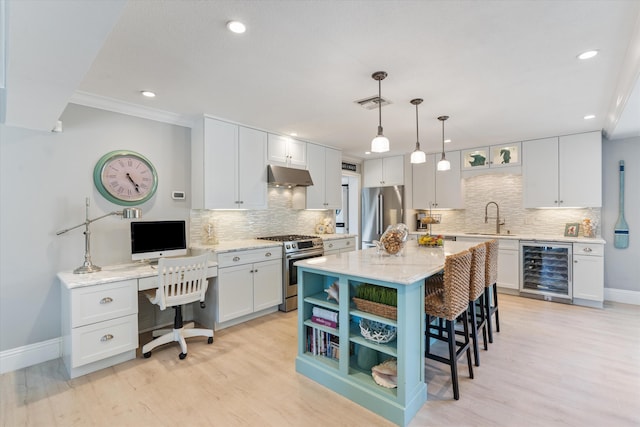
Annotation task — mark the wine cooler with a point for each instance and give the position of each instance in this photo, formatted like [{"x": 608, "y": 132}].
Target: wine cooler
[{"x": 546, "y": 270}]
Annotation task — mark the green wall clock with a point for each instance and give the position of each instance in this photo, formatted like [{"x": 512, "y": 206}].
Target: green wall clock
[{"x": 125, "y": 177}]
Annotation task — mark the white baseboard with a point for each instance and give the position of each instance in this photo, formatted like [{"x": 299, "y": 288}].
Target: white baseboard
[
  {"x": 622, "y": 295},
  {"x": 29, "y": 355}
]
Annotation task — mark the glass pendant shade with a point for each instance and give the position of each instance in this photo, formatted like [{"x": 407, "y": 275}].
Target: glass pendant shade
[
  {"x": 443, "y": 164},
  {"x": 380, "y": 143},
  {"x": 418, "y": 156}
]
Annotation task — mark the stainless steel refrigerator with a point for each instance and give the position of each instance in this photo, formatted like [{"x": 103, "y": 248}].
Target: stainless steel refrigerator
[{"x": 381, "y": 207}]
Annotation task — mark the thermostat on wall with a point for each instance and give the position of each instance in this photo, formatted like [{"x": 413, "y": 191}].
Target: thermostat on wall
[{"x": 178, "y": 195}]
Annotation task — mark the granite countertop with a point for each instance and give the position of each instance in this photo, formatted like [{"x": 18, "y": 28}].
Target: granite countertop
[
  {"x": 234, "y": 245},
  {"x": 415, "y": 264},
  {"x": 334, "y": 236},
  {"x": 523, "y": 236}
]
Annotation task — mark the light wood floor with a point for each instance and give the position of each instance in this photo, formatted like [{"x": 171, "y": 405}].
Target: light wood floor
[{"x": 551, "y": 365}]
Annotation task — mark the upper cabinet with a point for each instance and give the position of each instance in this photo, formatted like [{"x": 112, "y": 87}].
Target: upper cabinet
[
  {"x": 494, "y": 156},
  {"x": 325, "y": 167},
  {"x": 437, "y": 189},
  {"x": 384, "y": 172},
  {"x": 286, "y": 151},
  {"x": 563, "y": 171},
  {"x": 229, "y": 166}
]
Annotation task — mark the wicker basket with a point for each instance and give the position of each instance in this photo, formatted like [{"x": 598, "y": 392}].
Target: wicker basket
[{"x": 376, "y": 308}]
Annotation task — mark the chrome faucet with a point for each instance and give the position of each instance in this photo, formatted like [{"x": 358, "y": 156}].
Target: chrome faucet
[{"x": 486, "y": 217}]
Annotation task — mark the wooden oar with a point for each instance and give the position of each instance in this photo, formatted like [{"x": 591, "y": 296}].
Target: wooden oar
[{"x": 621, "y": 230}]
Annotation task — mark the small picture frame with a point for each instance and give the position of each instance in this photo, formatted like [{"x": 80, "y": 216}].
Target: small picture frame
[{"x": 571, "y": 229}]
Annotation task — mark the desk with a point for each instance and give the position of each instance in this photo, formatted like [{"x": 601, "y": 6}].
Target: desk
[{"x": 100, "y": 314}]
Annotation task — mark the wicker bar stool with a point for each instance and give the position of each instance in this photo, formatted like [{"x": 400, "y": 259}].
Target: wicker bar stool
[
  {"x": 476, "y": 291},
  {"x": 491, "y": 287},
  {"x": 448, "y": 305}
]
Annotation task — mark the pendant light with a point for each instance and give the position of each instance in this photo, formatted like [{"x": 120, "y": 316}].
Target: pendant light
[
  {"x": 443, "y": 164},
  {"x": 418, "y": 156},
  {"x": 380, "y": 143}
]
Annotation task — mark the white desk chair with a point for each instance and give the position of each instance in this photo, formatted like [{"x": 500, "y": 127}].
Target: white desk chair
[{"x": 180, "y": 281}]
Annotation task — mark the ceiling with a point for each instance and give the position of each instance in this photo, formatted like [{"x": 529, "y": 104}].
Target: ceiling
[{"x": 503, "y": 71}]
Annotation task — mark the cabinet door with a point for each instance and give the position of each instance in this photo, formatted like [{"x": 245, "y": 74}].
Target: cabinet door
[
  {"x": 267, "y": 284},
  {"x": 393, "y": 170},
  {"x": 588, "y": 277},
  {"x": 372, "y": 173},
  {"x": 235, "y": 292},
  {"x": 424, "y": 184},
  {"x": 297, "y": 153},
  {"x": 220, "y": 164},
  {"x": 540, "y": 173},
  {"x": 508, "y": 269},
  {"x": 449, "y": 184},
  {"x": 316, "y": 165},
  {"x": 277, "y": 150},
  {"x": 333, "y": 178},
  {"x": 252, "y": 169},
  {"x": 580, "y": 171}
]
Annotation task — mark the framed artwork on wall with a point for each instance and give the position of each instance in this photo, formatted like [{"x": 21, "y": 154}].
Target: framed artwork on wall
[{"x": 571, "y": 229}]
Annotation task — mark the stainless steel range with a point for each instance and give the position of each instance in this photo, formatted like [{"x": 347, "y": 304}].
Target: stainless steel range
[{"x": 295, "y": 248}]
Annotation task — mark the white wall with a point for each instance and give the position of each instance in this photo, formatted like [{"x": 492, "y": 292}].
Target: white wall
[
  {"x": 44, "y": 179},
  {"x": 621, "y": 266}
]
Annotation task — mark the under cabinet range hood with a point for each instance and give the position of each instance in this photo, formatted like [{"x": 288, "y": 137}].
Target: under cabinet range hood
[{"x": 281, "y": 176}]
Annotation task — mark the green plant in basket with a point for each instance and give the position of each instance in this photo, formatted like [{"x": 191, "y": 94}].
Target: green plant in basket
[{"x": 379, "y": 294}]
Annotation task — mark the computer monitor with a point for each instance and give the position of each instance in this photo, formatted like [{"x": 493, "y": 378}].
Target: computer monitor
[{"x": 151, "y": 240}]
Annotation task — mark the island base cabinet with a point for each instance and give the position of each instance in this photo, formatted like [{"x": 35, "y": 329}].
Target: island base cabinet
[{"x": 348, "y": 371}]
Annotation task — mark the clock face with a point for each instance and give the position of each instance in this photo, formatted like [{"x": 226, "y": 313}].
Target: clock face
[{"x": 125, "y": 178}]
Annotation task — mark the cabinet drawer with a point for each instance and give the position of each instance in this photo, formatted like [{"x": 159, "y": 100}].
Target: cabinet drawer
[
  {"x": 228, "y": 259},
  {"x": 105, "y": 339},
  {"x": 339, "y": 244},
  {"x": 93, "y": 304},
  {"x": 588, "y": 249},
  {"x": 509, "y": 244}
]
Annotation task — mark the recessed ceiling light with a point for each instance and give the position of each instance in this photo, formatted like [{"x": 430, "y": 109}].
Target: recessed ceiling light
[
  {"x": 148, "y": 94},
  {"x": 446, "y": 141},
  {"x": 367, "y": 152},
  {"x": 588, "y": 54},
  {"x": 293, "y": 134},
  {"x": 589, "y": 117},
  {"x": 236, "y": 27}
]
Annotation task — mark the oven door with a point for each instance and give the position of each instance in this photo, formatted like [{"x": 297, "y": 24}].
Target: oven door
[{"x": 290, "y": 278}]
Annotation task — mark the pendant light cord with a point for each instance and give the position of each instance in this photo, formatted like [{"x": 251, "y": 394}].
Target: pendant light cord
[
  {"x": 417, "y": 137},
  {"x": 379, "y": 106}
]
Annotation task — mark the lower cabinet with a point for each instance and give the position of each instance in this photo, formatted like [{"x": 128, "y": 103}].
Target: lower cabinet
[
  {"x": 588, "y": 274},
  {"x": 247, "y": 283},
  {"x": 99, "y": 325},
  {"x": 508, "y": 264},
  {"x": 337, "y": 246}
]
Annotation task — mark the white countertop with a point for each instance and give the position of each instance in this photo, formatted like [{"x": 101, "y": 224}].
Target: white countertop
[
  {"x": 415, "y": 264},
  {"x": 334, "y": 236},
  {"x": 112, "y": 273},
  {"x": 517, "y": 236},
  {"x": 234, "y": 245}
]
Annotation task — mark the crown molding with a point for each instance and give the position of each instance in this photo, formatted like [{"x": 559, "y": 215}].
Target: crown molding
[{"x": 117, "y": 106}]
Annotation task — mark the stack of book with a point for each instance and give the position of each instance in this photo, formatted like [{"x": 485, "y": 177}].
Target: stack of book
[
  {"x": 324, "y": 317},
  {"x": 320, "y": 343}
]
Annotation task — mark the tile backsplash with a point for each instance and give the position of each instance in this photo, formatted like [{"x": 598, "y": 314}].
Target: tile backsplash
[
  {"x": 506, "y": 191},
  {"x": 209, "y": 226}
]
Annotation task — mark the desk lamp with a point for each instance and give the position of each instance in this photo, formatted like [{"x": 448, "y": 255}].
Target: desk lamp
[{"x": 88, "y": 266}]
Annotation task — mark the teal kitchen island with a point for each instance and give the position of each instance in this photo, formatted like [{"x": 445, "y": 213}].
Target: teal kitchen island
[{"x": 329, "y": 354}]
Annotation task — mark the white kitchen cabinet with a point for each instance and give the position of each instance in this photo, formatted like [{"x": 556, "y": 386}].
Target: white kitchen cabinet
[
  {"x": 248, "y": 282},
  {"x": 229, "y": 166},
  {"x": 286, "y": 151},
  {"x": 384, "y": 172},
  {"x": 492, "y": 157},
  {"x": 563, "y": 171},
  {"x": 508, "y": 264},
  {"x": 588, "y": 274},
  {"x": 437, "y": 189},
  {"x": 325, "y": 167},
  {"x": 99, "y": 325},
  {"x": 338, "y": 246}
]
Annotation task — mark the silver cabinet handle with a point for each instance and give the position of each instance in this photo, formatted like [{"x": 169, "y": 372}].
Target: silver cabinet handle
[
  {"x": 330, "y": 245},
  {"x": 236, "y": 258},
  {"x": 268, "y": 254},
  {"x": 106, "y": 300},
  {"x": 588, "y": 250},
  {"x": 575, "y": 261},
  {"x": 348, "y": 243},
  {"x": 106, "y": 337}
]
